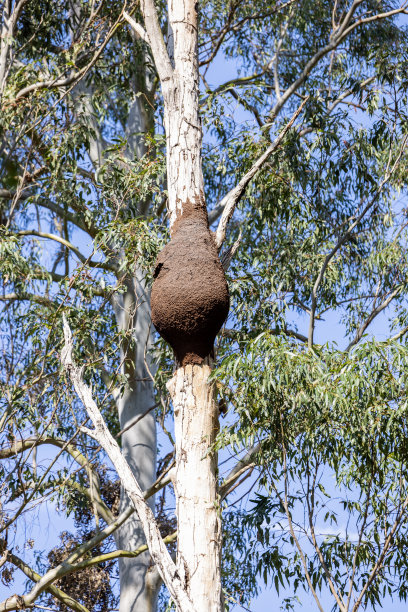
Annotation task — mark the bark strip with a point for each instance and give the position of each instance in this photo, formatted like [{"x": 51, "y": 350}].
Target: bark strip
[
  {"x": 101, "y": 433},
  {"x": 198, "y": 511}
]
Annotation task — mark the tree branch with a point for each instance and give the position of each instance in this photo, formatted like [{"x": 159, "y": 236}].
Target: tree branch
[
  {"x": 156, "y": 40},
  {"x": 376, "y": 311},
  {"x": 14, "y": 603},
  {"x": 101, "y": 433},
  {"x": 285, "y": 505},
  {"x": 338, "y": 35},
  {"x": 116, "y": 554},
  {"x": 228, "y": 85},
  {"x": 230, "y": 201},
  {"x": 27, "y": 192},
  {"x": 30, "y": 297},
  {"x": 21, "y": 446},
  {"x": 344, "y": 238},
  {"x": 9, "y": 23},
  {"x": 247, "y": 462},
  {"x": 48, "y": 578},
  {"x": 77, "y": 76},
  {"x": 71, "y": 247},
  {"x": 326, "y": 570},
  {"x": 136, "y": 27},
  {"x": 380, "y": 560}
]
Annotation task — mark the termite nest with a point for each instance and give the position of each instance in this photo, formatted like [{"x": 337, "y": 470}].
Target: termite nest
[{"x": 189, "y": 299}]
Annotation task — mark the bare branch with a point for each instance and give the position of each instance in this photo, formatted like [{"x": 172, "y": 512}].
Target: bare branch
[
  {"x": 80, "y": 220},
  {"x": 247, "y": 105},
  {"x": 360, "y": 539},
  {"x": 69, "y": 568},
  {"x": 136, "y": 27},
  {"x": 118, "y": 554},
  {"x": 284, "y": 501},
  {"x": 157, "y": 548},
  {"x": 230, "y": 201},
  {"x": 401, "y": 10},
  {"x": 83, "y": 548},
  {"x": 136, "y": 420},
  {"x": 399, "y": 335},
  {"x": 156, "y": 40}
]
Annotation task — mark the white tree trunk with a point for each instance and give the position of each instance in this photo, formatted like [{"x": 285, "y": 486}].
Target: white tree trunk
[
  {"x": 137, "y": 592},
  {"x": 181, "y": 114},
  {"x": 195, "y": 482},
  {"x": 139, "y": 581},
  {"x": 195, "y": 412}
]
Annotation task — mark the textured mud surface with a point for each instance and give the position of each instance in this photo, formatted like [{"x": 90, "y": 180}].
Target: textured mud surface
[{"x": 190, "y": 299}]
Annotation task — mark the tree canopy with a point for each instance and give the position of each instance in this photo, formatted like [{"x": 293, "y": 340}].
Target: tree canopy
[{"x": 304, "y": 112}]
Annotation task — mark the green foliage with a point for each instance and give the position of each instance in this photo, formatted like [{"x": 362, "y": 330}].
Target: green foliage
[
  {"x": 332, "y": 427},
  {"x": 331, "y": 422}
]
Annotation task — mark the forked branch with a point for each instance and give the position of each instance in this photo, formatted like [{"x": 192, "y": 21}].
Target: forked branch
[
  {"x": 101, "y": 433},
  {"x": 230, "y": 201}
]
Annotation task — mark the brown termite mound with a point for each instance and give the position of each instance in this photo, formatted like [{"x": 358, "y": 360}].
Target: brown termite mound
[{"x": 189, "y": 299}]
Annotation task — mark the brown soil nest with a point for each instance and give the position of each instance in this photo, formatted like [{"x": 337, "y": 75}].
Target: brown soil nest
[{"x": 190, "y": 299}]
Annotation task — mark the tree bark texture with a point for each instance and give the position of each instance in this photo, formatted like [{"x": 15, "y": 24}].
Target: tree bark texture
[
  {"x": 195, "y": 482},
  {"x": 181, "y": 116},
  {"x": 190, "y": 302},
  {"x": 132, "y": 309}
]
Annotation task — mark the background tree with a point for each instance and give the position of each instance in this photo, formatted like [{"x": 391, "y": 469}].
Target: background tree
[{"x": 322, "y": 230}]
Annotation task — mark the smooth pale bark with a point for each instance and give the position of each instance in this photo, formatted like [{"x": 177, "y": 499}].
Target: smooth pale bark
[
  {"x": 181, "y": 113},
  {"x": 195, "y": 412},
  {"x": 101, "y": 433},
  {"x": 195, "y": 483},
  {"x": 139, "y": 580},
  {"x": 138, "y": 590}
]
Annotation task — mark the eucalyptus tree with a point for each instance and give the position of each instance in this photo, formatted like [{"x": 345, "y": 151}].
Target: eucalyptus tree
[{"x": 103, "y": 113}]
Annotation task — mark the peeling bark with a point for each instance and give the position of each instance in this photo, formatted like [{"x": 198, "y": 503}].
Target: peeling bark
[{"x": 195, "y": 482}]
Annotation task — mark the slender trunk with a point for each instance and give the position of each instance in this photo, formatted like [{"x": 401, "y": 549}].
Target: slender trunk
[
  {"x": 139, "y": 581},
  {"x": 138, "y": 593},
  {"x": 181, "y": 115},
  {"x": 198, "y": 511},
  {"x": 189, "y": 304}
]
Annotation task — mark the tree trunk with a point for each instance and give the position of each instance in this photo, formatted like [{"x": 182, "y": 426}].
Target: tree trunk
[
  {"x": 190, "y": 302},
  {"x": 198, "y": 510},
  {"x": 139, "y": 581},
  {"x": 138, "y": 593}
]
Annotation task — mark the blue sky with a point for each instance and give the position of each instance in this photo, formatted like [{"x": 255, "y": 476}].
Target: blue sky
[{"x": 47, "y": 523}]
